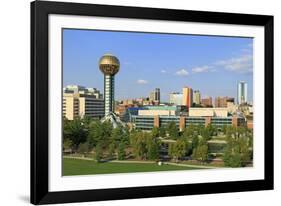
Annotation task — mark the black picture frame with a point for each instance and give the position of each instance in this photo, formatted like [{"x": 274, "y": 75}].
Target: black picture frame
[{"x": 39, "y": 102}]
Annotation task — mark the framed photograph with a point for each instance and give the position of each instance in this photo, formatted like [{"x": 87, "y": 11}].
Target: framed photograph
[{"x": 131, "y": 102}]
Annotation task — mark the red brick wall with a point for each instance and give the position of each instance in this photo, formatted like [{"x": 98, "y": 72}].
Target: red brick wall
[
  {"x": 207, "y": 121},
  {"x": 156, "y": 122},
  {"x": 250, "y": 124},
  {"x": 182, "y": 123},
  {"x": 234, "y": 121}
]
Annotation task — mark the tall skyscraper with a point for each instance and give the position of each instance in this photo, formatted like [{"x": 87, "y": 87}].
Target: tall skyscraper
[
  {"x": 109, "y": 66},
  {"x": 154, "y": 96},
  {"x": 187, "y": 98},
  {"x": 176, "y": 98},
  {"x": 157, "y": 94},
  {"x": 197, "y": 97},
  {"x": 242, "y": 92}
]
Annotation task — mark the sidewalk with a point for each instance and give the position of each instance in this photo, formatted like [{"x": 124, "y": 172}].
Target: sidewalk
[
  {"x": 147, "y": 162},
  {"x": 191, "y": 165}
]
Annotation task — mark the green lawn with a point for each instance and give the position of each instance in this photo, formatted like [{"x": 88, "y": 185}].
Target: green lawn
[{"x": 86, "y": 167}]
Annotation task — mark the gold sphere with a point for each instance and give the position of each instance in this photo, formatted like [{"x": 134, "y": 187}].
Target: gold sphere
[{"x": 109, "y": 64}]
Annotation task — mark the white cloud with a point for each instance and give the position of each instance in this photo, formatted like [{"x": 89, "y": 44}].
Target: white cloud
[
  {"x": 163, "y": 71},
  {"x": 242, "y": 64},
  {"x": 202, "y": 69},
  {"x": 142, "y": 81},
  {"x": 182, "y": 72}
]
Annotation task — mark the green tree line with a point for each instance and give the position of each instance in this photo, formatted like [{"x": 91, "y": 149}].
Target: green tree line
[{"x": 100, "y": 138}]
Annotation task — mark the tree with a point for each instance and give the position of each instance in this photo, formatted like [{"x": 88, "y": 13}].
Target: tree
[
  {"x": 232, "y": 160},
  {"x": 144, "y": 145},
  {"x": 162, "y": 132},
  {"x": 99, "y": 133},
  {"x": 189, "y": 132},
  {"x": 188, "y": 147},
  {"x": 177, "y": 150},
  {"x": 229, "y": 130},
  {"x": 86, "y": 121},
  {"x": 111, "y": 149},
  {"x": 171, "y": 151},
  {"x": 155, "y": 132},
  {"x": 67, "y": 144},
  {"x": 201, "y": 151},
  {"x": 98, "y": 152},
  {"x": 126, "y": 136},
  {"x": 75, "y": 131},
  {"x": 195, "y": 141},
  {"x": 138, "y": 142},
  {"x": 208, "y": 132},
  {"x": 224, "y": 129},
  {"x": 152, "y": 146},
  {"x": 121, "y": 151},
  {"x": 239, "y": 149},
  {"x": 83, "y": 148},
  {"x": 200, "y": 129},
  {"x": 107, "y": 131},
  {"x": 117, "y": 134},
  {"x": 172, "y": 130},
  {"x": 95, "y": 133}
]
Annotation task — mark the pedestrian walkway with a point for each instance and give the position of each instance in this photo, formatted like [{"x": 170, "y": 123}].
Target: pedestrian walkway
[
  {"x": 147, "y": 162},
  {"x": 190, "y": 165}
]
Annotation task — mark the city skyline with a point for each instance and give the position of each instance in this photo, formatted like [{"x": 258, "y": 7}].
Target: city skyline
[{"x": 165, "y": 61}]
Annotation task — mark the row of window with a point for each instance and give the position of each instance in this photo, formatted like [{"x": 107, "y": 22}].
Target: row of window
[{"x": 149, "y": 122}]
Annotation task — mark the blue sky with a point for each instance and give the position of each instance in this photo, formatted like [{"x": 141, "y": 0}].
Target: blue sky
[{"x": 211, "y": 64}]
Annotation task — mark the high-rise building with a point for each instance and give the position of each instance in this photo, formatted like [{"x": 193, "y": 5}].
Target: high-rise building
[
  {"x": 222, "y": 101},
  {"x": 154, "y": 96},
  {"x": 197, "y": 97},
  {"x": 242, "y": 92},
  {"x": 157, "y": 94},
  {"x": 187, "y": 98},
  {"x": 207, "y": 102},
  {"x": 176, "y": 98},
  {"x": 79, "y": 101},
  {"x": 109, "y": 66}
]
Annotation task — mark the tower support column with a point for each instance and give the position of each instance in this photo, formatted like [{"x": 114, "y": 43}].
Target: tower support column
[{"x": 108, "y": 94}]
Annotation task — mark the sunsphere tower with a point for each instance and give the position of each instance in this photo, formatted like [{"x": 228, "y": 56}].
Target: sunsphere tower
[{"x": 109, "y": 66}]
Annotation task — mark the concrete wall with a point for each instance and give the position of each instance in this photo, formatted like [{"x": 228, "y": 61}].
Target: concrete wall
[
  {"x": 208, "y": 112},
  {"x": 157, "y": 112}
]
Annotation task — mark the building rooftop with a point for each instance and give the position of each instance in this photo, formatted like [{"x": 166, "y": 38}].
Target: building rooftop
[{"x": 81, "y": 91}]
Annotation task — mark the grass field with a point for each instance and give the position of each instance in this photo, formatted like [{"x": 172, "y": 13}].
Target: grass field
[{"x": 86, "y": 167}]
